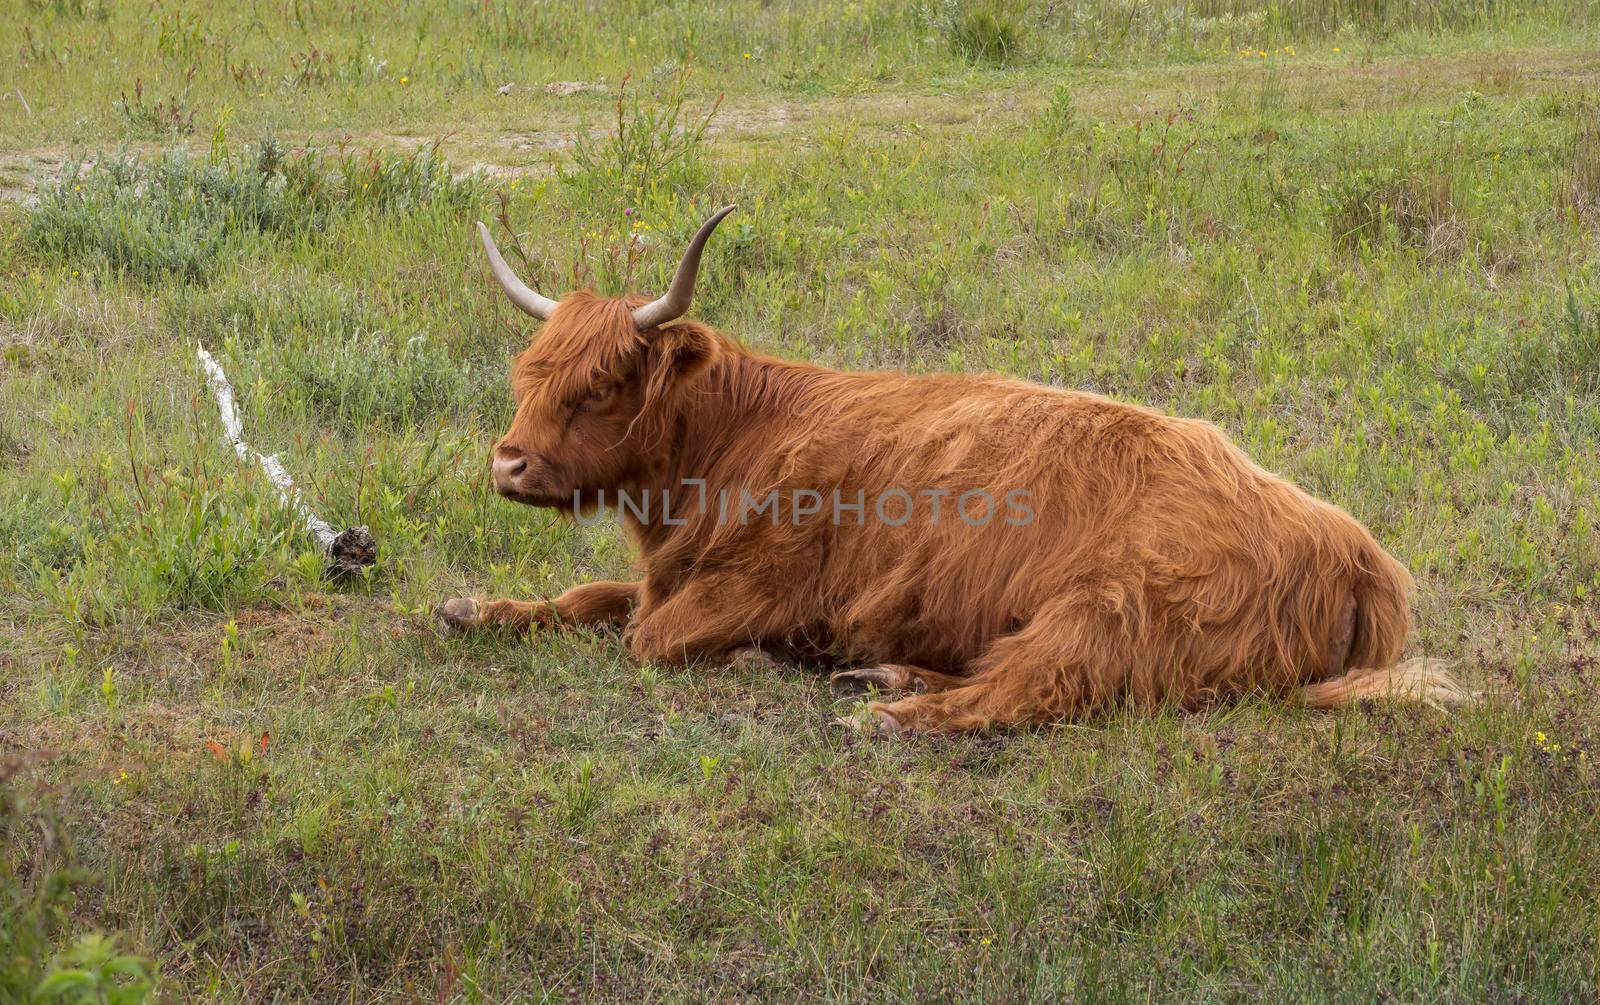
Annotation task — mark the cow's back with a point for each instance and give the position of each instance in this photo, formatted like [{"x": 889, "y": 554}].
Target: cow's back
[{"x": 1161, "y": 519}]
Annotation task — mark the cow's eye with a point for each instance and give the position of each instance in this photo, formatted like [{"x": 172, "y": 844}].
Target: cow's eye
[{"x": 600, "y": 392}]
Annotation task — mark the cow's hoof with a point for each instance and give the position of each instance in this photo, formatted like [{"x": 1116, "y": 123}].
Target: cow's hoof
[
  {"x": 753, "y": 660},
  {"x": 876, "y": 722},
  {"x": 456, "y": 616},
  {"x": 863, "y": 680}
]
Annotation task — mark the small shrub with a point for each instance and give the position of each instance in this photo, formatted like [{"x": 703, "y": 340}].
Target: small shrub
[
  {"x": 389, "y": 185},
  {"x": 33, "y": 535},
  {"x": 148, "y": 221},
  {"x": 1580, "y": 339},
  {"x": 36, "y": 895},
  {"x": 167, "y": 117},
  {"x": 184, "y": 218},
  {"x": 1060, "y": 119},
  {"x": 205, "y": 539},
  {"x": 1149, "y": 165},
  {"x": 311, "y": 68},
  {"x": 657, "y": 146},
  {"x": 95, "y": 971}
]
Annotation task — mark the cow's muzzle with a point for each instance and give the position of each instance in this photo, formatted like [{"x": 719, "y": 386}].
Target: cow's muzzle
[
  {"x": 512, "y": 474},
  {"x": 527, "y": 479},
  {"x": 508, "y": 472}
]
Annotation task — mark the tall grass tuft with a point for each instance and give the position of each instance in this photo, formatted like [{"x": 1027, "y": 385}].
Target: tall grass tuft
[
  {"x": 980, "y": 31},
  {"x": 364, "y": 377},
  {"x": 1581, "y": 193},
  {"x": 1417, "y": 208}
]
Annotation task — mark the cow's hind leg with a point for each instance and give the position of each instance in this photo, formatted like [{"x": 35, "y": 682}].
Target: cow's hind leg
[
  {"x": 891, "y": 677},
  {"x": 604, "y": 602},
  {"x": 1070, "y": 660},
  {"x": 1344, "y": 636},
  {"x": 757, "y": 660}
]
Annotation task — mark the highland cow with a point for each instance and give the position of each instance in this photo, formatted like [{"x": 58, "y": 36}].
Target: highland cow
[{"x": 777, "y": 506}]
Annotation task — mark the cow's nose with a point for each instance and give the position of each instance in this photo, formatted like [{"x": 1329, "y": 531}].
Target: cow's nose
[{"x": 507, "y": 469}]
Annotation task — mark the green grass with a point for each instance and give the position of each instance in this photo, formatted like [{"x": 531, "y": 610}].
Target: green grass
[{"x": 1360, "y": 236}]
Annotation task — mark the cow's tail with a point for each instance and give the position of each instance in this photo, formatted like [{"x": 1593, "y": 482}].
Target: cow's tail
[
  {"x": 1424, "y": 679},
  {"x": 1383, "y": 590}
]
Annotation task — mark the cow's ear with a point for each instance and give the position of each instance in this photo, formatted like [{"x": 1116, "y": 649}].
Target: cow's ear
[
  {"x": 675, "y": 359},
  {"x": 684, "y": 352}
]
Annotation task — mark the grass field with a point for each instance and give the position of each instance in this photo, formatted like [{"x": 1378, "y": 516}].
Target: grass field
[{"x": 1360, "y": 235}]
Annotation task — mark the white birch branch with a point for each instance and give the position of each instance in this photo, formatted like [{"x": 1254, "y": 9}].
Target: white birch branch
[{"x": 349, "y": 549}]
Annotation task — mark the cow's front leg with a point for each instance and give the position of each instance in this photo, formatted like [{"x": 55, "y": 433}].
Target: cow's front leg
[
  {"x": 600, "y": 603},
  {"x": 697, "y": 623}
]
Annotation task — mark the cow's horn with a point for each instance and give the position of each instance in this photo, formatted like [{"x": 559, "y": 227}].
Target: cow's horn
[
  {"x": 675, "y": 301},
  {"x": 527, "y": 300}
]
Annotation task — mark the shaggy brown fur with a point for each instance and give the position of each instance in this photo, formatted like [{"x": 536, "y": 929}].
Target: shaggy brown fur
[{"x": 1161, "y": 563}]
